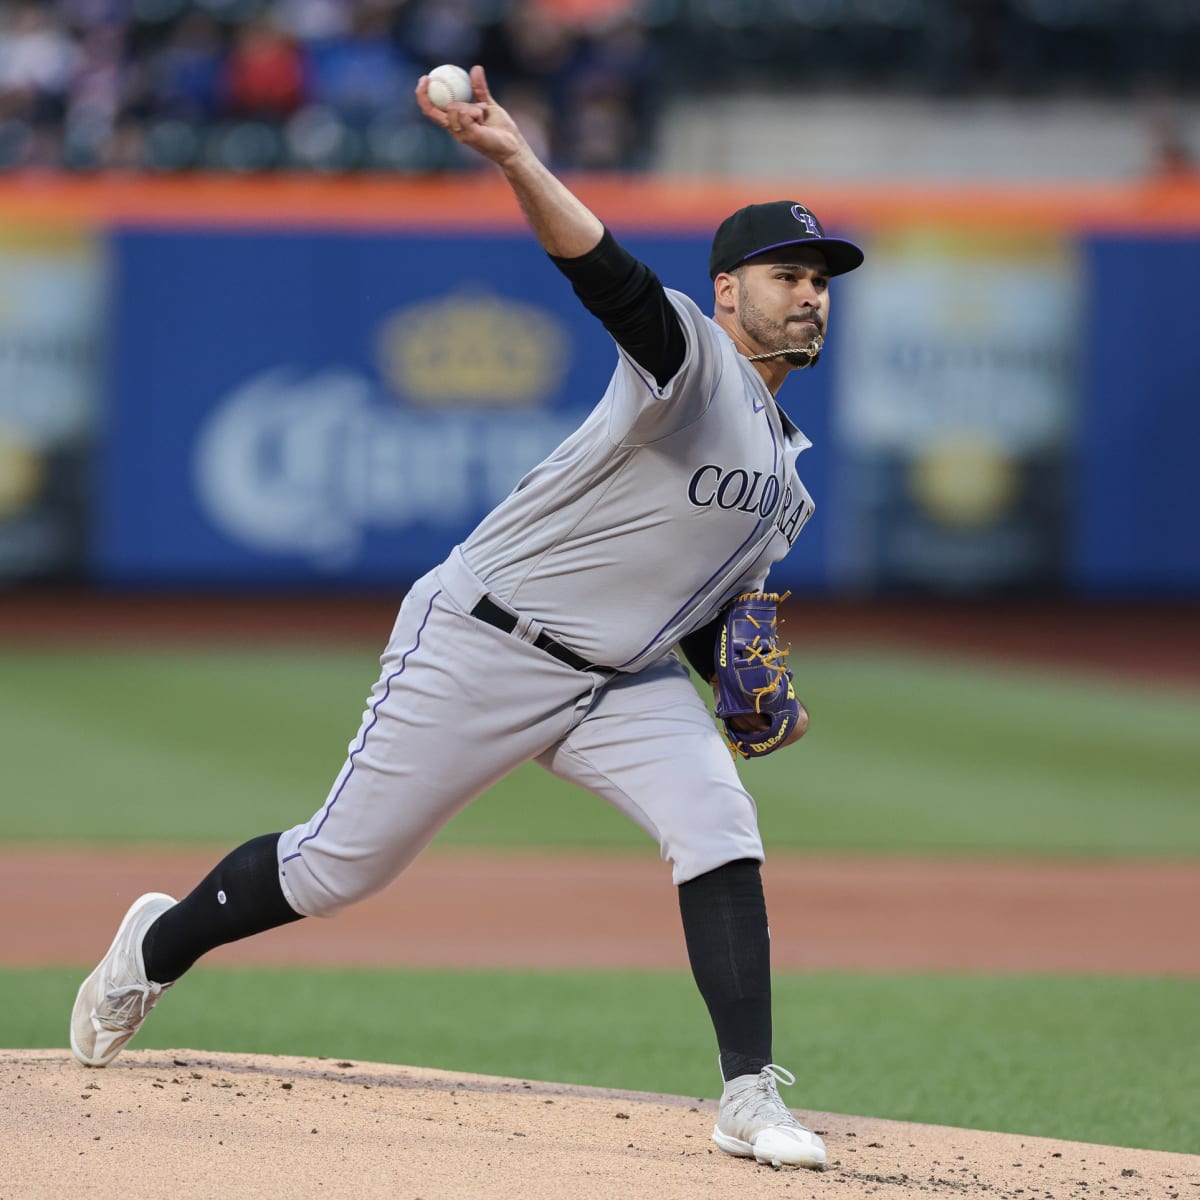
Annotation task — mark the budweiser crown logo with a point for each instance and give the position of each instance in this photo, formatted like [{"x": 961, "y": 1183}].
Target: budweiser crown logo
[{"x": 473, "y": 349}]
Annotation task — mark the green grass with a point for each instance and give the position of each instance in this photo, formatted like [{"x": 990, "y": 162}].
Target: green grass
[
  {"x": 906, "y": 753},
  {"x": 1113, "y": 1061}
]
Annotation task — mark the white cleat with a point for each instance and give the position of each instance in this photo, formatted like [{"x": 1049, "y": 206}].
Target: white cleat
[
  {"x": 114, "y": 999},
  {"x": 753, "y": 1122}
]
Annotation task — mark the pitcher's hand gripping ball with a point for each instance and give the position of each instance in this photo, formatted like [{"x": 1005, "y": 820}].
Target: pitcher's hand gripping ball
[
  {"x": 753, "y": 680},
  {"x": 448, "y": 83}
]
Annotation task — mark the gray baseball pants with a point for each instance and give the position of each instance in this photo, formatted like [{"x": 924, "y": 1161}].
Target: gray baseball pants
[{"x": 459, "y": 704}]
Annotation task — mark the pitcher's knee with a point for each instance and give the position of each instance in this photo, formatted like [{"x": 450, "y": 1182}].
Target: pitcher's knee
[
  {"x": 692, "y": 856},
  {"x": 319, "y": 885}
]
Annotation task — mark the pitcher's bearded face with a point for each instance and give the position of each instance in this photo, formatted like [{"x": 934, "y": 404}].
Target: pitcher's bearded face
[{"x": 783, "y": 305}]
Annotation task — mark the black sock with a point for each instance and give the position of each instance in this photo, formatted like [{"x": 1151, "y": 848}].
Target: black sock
[
  {"x": 729, "y": 945},
  {"x": 240, "y": 896}
]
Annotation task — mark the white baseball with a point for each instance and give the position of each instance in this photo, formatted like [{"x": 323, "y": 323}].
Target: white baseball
[{"x": 449, "y": 83}]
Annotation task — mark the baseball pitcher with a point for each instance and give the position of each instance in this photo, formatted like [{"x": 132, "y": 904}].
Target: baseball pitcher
[{"x": 557, "y": 632}]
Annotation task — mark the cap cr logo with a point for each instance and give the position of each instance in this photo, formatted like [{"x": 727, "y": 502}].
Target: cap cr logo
[{"x": 806, "y": 219}]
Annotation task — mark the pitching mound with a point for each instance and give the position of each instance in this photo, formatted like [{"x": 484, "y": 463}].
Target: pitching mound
[{"x": 192, "y": 1124}]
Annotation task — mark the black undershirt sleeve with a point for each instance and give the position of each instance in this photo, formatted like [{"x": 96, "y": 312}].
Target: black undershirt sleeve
[{"x": 630, "y": 302}]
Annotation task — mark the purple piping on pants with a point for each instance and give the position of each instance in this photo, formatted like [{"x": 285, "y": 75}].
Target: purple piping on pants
[{"x": 371, "y": 725}]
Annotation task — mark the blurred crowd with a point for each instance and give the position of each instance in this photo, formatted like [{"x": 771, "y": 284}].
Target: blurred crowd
[
  {"x": 254, "y": 85},
  {"x": 326, "y": 85},
  {"x": 1089, "y": 48}
]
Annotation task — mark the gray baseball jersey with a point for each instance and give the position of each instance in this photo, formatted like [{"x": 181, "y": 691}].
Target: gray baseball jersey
[
  {"x": 664, "y": 504},
  {"x": 660, "y": 507}
]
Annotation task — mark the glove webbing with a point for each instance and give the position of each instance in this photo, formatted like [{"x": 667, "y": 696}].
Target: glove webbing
[{"x": 768, "y": 658}]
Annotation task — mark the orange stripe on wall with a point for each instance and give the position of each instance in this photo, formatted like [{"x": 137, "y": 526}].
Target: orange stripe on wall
[{"x": 483, "y": 201}]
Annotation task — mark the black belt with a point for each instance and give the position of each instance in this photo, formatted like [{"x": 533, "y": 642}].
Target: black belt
[{"x": 490, "y": 612}]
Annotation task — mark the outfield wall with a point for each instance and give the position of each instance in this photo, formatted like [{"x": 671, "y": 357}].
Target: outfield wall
[{"x": 222, "y": 382}]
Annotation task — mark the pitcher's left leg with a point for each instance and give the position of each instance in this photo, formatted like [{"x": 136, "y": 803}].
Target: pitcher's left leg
[{"x": 649, "y": 747}]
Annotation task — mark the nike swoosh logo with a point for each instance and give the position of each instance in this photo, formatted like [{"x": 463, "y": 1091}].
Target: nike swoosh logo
[{"x": 758, "y": 407}]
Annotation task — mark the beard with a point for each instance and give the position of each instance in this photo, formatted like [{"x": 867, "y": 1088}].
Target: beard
[
  {"x": 798, "y": 358},
  {"x": 797, "y": 342}
]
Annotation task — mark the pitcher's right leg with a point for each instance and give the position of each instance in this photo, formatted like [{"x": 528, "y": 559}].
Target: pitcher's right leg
[{"x": 434, "y": 735}]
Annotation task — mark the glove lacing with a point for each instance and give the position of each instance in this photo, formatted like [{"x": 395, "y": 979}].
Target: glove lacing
[{"x": 766, "y": 653}]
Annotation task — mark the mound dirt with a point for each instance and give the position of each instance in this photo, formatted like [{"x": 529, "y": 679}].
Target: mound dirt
[{"x": 187, "y": 1124}]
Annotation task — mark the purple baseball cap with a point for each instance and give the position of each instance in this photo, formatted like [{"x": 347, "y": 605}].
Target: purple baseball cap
[{"x": 757, "y": 228}]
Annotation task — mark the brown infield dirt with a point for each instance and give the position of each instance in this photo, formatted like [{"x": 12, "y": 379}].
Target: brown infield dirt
[
  {"x": 569, "y": 909},
  {"x": 192, "y": 1123}
]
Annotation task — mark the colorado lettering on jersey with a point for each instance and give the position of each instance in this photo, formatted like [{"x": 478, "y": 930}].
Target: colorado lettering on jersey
[{"x": 749, "y": 492}]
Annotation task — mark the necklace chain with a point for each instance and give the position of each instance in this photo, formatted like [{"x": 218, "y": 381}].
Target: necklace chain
[{"x": 811, "y": 350}]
